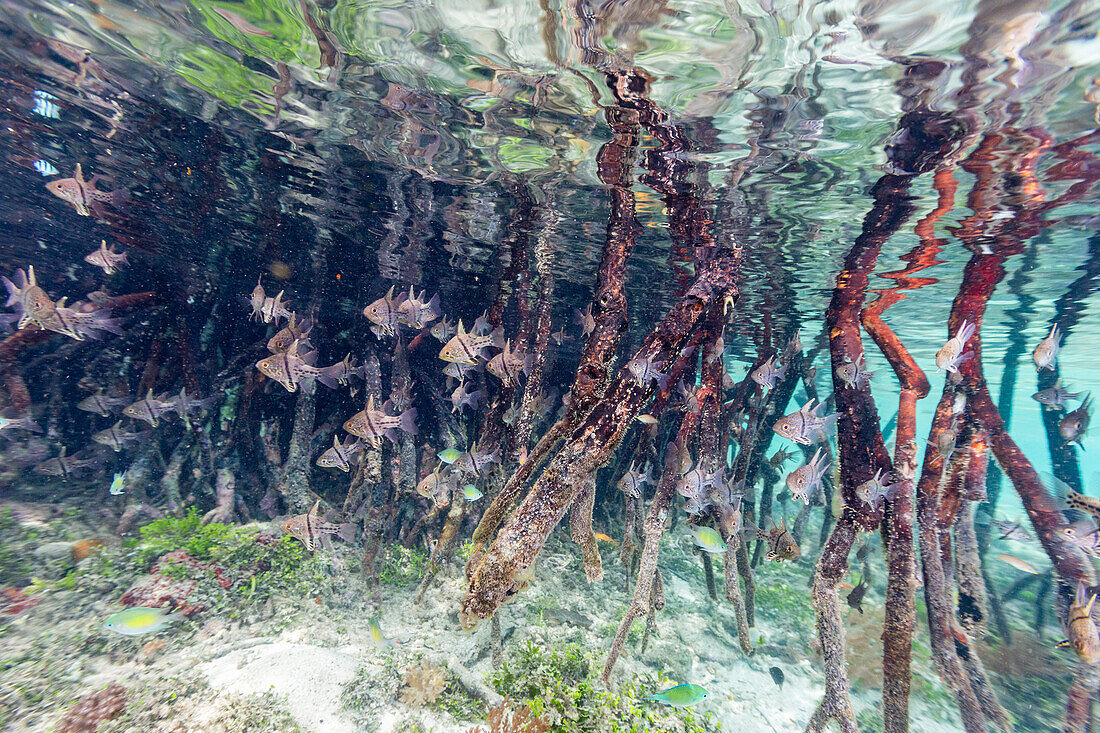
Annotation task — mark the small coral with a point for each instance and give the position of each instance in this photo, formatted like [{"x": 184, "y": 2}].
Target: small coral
[
  {"x": 14, "y": 601},
  {"x": 93, "y": 709},
  {"x": 505, "y": 718},
  {"x": 84, "y": 548},
  {"x": 423, "y": 685}
]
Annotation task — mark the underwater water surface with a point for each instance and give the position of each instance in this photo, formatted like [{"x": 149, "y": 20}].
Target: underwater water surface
[{"x": 558, "y": 366}]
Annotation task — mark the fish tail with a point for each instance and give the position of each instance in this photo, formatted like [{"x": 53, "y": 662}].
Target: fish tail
[
  {"x": 346, "y": 532},
  {"x": 407, "y": 421},
  {"x": 327, "y": 375},
  {"x": 497, "y": 337},
  {"x": 13, "y": 292},
  {"x": 966, "y": 330},
  {"x": 662, "y": 381}
]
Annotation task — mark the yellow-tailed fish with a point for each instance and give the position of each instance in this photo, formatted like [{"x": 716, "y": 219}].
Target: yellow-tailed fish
[
  {"x": 471, "y": 492},
  {"x": 680, "y": 696},
  {"x": 449, "y": 455},
  {"x": 140, "y": 620},
  {"x": 1017, "y": 563},
  {"x": 378, "y": 637},
  {"x": 707, "y": 539},
  {"x": 117, "y": 484}
]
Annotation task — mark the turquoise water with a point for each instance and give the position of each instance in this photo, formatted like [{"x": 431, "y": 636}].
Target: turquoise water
[{"x": 530, "y": 161}]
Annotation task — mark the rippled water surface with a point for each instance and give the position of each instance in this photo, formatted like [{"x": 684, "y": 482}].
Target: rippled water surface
[{"x": 704, "y": 180}]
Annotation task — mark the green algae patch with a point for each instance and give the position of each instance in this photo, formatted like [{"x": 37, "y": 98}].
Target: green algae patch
[
  {"x": 560, "y": 684},
  {"x": 402, "y": 566}
]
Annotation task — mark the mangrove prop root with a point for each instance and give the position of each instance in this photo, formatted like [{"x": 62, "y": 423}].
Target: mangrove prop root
[
  {"x": 496, "y": 643},
  {"x": 448, "y": 539},
  {"x": 733, "y": 594},
  {"x": 972, "y": 600},
  {"x": 708, "y": 571},
  {"x": 224, "y": 496},
  {"x": 836, "y": 704},
  {"x": 861, "y": 448},
  {"x": 591, "y": 444},
  {"x": 659, "y": 507},
  {"x": 580, "y": 525}
]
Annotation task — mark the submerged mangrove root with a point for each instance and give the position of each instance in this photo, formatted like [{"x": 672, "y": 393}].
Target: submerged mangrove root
[
  {"x": 591, "y": 445},
  {"x": 225, "y": 498},
  {"x": 580, "y": 525},
  {"x": 733, "y": 593},
  {"x": 655, "y": 521}
]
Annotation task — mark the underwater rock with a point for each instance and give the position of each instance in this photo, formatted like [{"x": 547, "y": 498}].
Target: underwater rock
[
  {"x": 93, "y": 709},
  {"x": 159, "y": 589}
]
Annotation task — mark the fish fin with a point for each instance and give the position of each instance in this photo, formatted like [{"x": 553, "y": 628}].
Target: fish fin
[
  {"x": 327, "y": 375},
  {"x": 407, "y": 421},
  {"x": 966, "y": 330},
  {"x": 346, "y": 532}
]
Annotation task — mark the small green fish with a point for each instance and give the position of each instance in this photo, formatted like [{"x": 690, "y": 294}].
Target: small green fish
[
  {"x": 449, "y": 455},
  {"x": 471, "y": 492},
  {"x": 116, "y": 484},
  {"x": 680, "y": 696},
  {"x": 377, "y": 636},
  {"x": 707, "y": 539},
  {"x": 140, "y": 620}
]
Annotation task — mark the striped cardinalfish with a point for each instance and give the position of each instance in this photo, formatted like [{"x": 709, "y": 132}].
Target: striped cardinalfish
[{"x": 312, "y": 530}]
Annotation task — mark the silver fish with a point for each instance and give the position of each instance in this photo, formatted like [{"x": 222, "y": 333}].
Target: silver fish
[
  {"x": 289, "y": 368},
  {"x": 1073, "y": 426},
  {"x": 805, "y": 482},
  {"x": 83, "y": 194},
  {"x": 465, "y": 348},
  {"x": 275, "y": 309},
  {"x": 101, "y": 404},
  {"x": 1085, "y": 535},
  {"x": 187, "y": 405},
  {"x": 1055, "y": 396},
  {"x": 106, "y": 258},
  {"x": 372, "y": 425},
  {"x": 383, "y": 313},
  {"x": 693, "y": 483},
  {"x": 854, "y": 374},
  {"x": 951, "y": 355},
  {"x": 1047, "y": 350},
  {"x": 150, "y": 409},
  {"x": 481, "y": 326},
  {"x": 312, "y": 530},
  {"x": 340, "y": 455},
  {"x": 461, "y": 371},
  {"x": 30, "y": 300},
  {"x": 645, "y": 370},
  {"x": 476, "y": 460},
  {"x": 768, "y": 373},
  {"x": 437, "y": 487},
  {"x": 64, "y": 465},
  {"x": 415, "y": 312},
  {"x": 874, "y": 491},
  {"x": 80, "y": 322},
  {"x": 1011, "y": 530},
  {"x": 507, "y": 365},
  {"x": 805, "y": 426},
  {"x": 634, "y": 481},
  {"x": 463, "y": 397},
  {"x": 585, "y": 320},
  {"x": 294, "y": 330},
  {"x": 444, "y": 330},
  {"x": 116, "y": 438}
]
